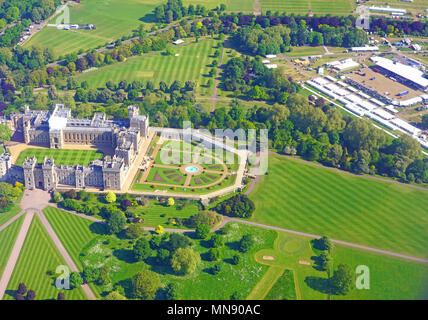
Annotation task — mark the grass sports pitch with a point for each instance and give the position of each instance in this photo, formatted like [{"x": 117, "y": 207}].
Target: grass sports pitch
[{"x": 61, "y": 156}]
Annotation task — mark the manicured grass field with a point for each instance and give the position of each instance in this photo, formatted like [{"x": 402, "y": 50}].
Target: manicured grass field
[
  {"x": 112, "y": 19},
  {"x": 38, "y": 256},
  {"x": 191, "y": 64},
  {"x": 86, "y": 230},
  {"x": 305, "y": 51},
  {"x": 283, "y": 289},
  {"x": 5, "y": 216},
  {"x": 390, "y": 278},
  {"x": 7, "y": 240},
  {"x": 303, "y": 6},
  {"x": 317, "y": 200},
  {"x": 61, "y": 156}
]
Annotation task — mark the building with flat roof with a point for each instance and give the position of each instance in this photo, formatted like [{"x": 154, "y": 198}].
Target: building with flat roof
[{"x": 406, "y": 74}]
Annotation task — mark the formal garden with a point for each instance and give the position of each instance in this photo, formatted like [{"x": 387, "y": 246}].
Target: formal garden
[{"x": 182, "y": 167}]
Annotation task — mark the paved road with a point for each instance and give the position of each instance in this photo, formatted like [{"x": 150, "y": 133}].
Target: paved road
[
  {"x": 13, "y": 258},
  {"x": 64, "y": 252}
]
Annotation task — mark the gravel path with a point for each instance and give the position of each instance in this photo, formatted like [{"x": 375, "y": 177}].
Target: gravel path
[{"x": 13, "y": 258}]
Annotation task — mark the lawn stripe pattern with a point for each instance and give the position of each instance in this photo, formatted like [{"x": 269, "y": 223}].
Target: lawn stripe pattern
[
  {"x": 39, "y": 255},
  {"x": 7, "y": 240},
  {"x": 316, "y": 200}
]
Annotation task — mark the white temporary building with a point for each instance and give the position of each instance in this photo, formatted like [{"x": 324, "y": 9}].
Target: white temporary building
[
  {"x": 410, "y": 102},
  {"x": 321, "y": 81},
  {"x": 375, "y": 101},
  {"x": 387, "y": 10},
  {"x": 383, "y": 114},
  {"x": 406, "y": 72},
  {"x": 331, "y": 78},
  {"x": 364, "y": 49},
  {"x": 403, "y": 125},
  {"x": 343, "y": 64},
  {"x": 270, "y": 56},
  {"x": 391, "y": 108}
]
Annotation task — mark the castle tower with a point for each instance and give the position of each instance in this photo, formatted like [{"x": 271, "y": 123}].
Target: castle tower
[
  {"x": 28, "y": 166},
  {"x": 49, "y": 175}
]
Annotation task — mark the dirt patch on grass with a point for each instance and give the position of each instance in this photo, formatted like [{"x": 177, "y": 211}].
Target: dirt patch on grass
[
  {"x": 270, "y": 258},
  {"x": 307, "y": 263}
]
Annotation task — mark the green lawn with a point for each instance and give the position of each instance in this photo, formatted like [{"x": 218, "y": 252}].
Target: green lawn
[
  {"x": 112, "y": 20},
  {"x": 284, "y": 288},
  {"x": 61, "y": 156},
  {"x": 5, "y": 216},
  {"x": 191, "y": 64},
  {"x": 390, "y": 278},
  {"x": 116, "y": 252},
  {"x": 7, "y": 240},
  {"x": 38, "y": 256},
  {"x": 317, "y": 200},
  {"x": 86, "y": 230}
]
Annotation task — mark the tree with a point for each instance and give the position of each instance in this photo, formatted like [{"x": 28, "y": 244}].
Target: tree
[
  {"x": 171, "y": 202},
  {"x": 90, "y": 274},
  {"x": 343, "y": 279},
  {"x": 114, "y": 295},
  {"x": 246, "y": 243},
  {"x": 141, "y": 249},
  {"x": 104, "y": 277},
  {"x": 216, "y": 269},
  {"x": 236, "y": 259},
  {"x": 177, "y": 240},
  {"x": 185, "y": 261},
  {"x": 75, "y": 280},
  {"x": 171, "y": 292},
  {"x": 110, "y": 197},
  {"x": 5, "y": 133},
  {"x": 134, "y": 231},
  {"x": 22, "y": 289},
  {"x": 324, "y": 261},
  {"x": 116, "y": 222},
  {"x": 31, "y": 295},
  {"x": 202, "y": 231},
  {"x": 159, "y": 229},
  {"x": 61, "y": 296},
  {"x": 216, "y": 241},
  {"x": 213, "y": 254},
  {"x": 210, "y": 218},
  {"x": 324, "y": 243},
  {"x": 145, "y": 284},
  {"x": 425, "y": 121}
]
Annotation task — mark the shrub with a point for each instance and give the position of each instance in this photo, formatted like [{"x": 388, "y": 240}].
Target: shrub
[
  {"x": 237, "y": 206},
  {"x": 216, "y": 241}
]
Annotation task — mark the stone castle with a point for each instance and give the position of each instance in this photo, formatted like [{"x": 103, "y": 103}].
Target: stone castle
[{"x": 56, "y": 129}]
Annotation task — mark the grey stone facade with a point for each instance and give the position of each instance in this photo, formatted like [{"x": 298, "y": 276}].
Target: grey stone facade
[{"x": 56, "y": 129}]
